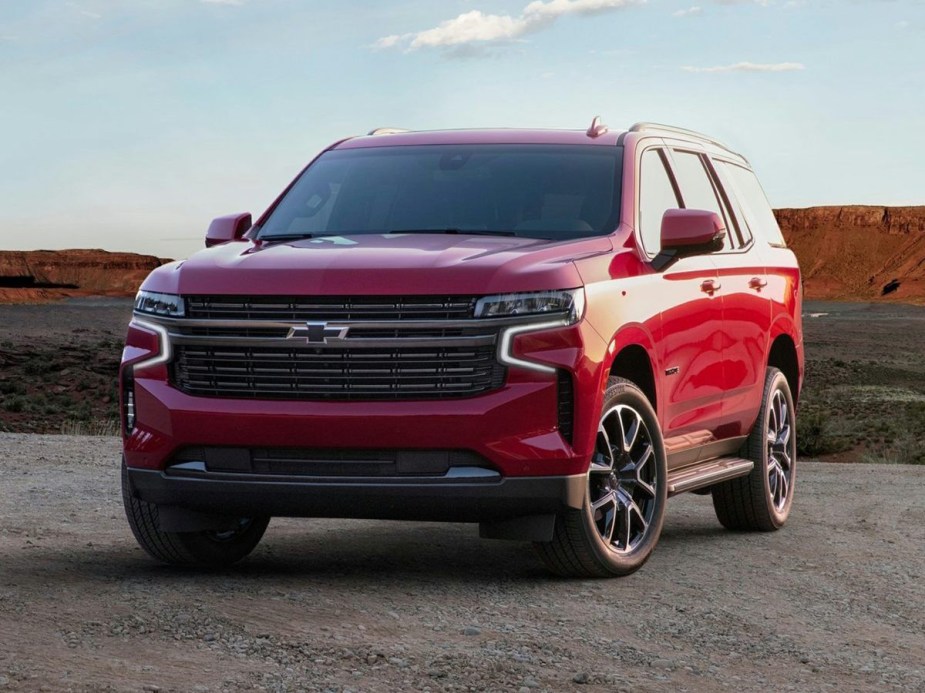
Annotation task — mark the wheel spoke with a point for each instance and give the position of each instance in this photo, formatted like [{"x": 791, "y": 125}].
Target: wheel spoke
[
  {"x": 603, "y": 461},
  {"x": 783, "y": 435},
  {"x": 638, "y": 512},
  {"x": 630, "y": 440},
  {"x": 783, "y": 488},
  {"x": 609, "y": 498}
]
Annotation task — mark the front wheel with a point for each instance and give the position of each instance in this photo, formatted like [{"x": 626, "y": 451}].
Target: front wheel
[
  {"x": 210, "y": 549},
  {"x": 624, "y": 506},
  {"x": 761, "y": 501}
]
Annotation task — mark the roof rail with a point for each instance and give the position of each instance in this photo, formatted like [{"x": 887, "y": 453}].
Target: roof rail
[
  {"x": 387, "y": 131},
  {"x": 658, "y": 127}
]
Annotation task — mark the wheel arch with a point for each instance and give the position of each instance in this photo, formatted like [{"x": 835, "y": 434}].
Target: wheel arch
[
  {"x": 783, "y": 356},
  {"x": 632, "y": 356}
]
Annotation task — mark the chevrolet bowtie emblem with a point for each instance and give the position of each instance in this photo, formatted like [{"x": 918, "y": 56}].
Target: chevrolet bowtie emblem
[{"x": 318, "y": 333}]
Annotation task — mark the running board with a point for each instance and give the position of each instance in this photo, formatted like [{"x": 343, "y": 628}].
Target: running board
[{"x": 707, "y": 474}]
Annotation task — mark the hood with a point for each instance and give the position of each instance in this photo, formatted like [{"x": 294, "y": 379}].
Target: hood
[{"x": 395, "y": 264}]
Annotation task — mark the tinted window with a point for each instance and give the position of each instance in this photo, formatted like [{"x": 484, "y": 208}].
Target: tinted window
[
  {"x": 656, "y": 195},
  {"x": 538, "y": 191},
  {"x": 696, "y": 187},
  {"x": 742, "y": 229},
  {"x": 754, "y": 202}
]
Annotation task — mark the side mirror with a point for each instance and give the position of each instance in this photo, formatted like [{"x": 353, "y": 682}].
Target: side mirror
[
  {"x": 688, "y": 232},
  {"x": 228, "y": 228}
]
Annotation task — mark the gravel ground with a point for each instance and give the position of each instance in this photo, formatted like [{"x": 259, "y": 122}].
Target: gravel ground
[{"x": 834, "y": 601}]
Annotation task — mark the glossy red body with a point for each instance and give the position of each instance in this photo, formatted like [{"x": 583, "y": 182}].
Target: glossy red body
[{"x": 706, "y": 324}]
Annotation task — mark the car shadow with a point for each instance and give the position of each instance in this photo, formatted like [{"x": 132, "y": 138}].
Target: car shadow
[{"x": 346, "y": 551}]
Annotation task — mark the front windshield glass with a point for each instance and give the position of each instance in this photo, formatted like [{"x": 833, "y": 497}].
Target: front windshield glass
[{"x": 537, "y": 191}]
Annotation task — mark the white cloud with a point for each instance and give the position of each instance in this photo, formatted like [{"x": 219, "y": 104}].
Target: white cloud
[
  {"x": 749, "y": 67},
  {"x": 477, "y": 27},
  {"x": 689, "y": 12}
]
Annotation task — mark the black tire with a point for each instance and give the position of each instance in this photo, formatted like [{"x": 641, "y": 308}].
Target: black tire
[
  {"x": 191, "y": 549},
  {"x": 579, "y": 547},
  {"x": 761, "y": 501}
]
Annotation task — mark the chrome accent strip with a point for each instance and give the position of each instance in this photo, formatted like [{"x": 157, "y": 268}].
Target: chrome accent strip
[
  {"x": 166, "y": 352},
  {"x": 355, "y": 343},
  {"x": 365, "y": 324},
  {"x": 506, "y": 355}
]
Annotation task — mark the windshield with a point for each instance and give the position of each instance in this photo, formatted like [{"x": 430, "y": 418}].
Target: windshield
[{"x": 537, "y": 191}]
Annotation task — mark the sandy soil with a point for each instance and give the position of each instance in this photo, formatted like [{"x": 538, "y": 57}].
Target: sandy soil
[{"x": 832, "y": 602}]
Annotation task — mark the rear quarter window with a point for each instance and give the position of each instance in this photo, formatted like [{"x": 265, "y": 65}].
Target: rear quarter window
[{"x": 754, "y": 203}]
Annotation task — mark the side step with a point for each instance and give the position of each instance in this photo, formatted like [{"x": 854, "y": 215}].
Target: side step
[{"x": 707, "y": 474}]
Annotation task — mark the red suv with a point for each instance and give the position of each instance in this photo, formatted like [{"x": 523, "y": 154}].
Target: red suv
[{"x": 545, "y": 332}]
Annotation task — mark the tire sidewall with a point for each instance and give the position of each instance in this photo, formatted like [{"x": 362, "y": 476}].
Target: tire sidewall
[
  {"x": 627, "y": 394},
  {"x": 777, "y": 382}
]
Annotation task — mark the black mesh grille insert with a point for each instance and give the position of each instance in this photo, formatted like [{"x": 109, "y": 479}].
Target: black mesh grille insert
[
  {"x": 330, "y": 307},
  {"x": 307, "y": 373},
  {"x": 566, "y": 404}
]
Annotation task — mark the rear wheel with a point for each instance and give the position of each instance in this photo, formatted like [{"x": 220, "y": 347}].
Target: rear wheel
[
  {"x": 620, "y": 523},
  {"x": 762, "y": 500},
  {"x": 209, "y": 549}
]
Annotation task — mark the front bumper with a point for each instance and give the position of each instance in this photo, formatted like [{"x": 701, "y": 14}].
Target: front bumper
[{"x": 448, "y": 498}]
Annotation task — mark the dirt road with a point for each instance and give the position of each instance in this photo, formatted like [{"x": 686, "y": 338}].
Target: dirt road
[{"x": 832, "y": 602}]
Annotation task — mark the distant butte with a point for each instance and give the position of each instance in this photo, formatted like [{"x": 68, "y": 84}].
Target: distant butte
[
  {"x": 859, "y": 253},
  {"x": 38, "y": 276}
]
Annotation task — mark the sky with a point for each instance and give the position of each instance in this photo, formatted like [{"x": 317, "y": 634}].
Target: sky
[{"x": 130, "y": 124}]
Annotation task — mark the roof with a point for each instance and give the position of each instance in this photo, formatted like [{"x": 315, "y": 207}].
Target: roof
[
  {"x": 499, "y": 136},
  {"x": 391, "y": 137}
]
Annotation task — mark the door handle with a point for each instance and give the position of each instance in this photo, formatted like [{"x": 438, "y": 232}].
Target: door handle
[
  {"x": 710, "y": 286},
  {"x": 757, "y": 283}
]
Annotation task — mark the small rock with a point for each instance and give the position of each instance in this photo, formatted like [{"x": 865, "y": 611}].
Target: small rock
[
  {"x": 471, "y": 630},
  {"x": 582, "y": 677},
  {"x": 371, "y": 659},
  {"x": 531, "y": 683},
  {"x": 151, "y": 687},
  {"x": 209, "y": 637}
]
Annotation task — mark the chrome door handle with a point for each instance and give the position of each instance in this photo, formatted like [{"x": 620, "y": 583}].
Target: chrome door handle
[
  {"x": 710, "y": 286},
  {"x": 757, "y": 283}
]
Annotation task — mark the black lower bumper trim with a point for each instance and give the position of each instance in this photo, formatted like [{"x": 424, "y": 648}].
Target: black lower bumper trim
[{"x": 430, "y": 499}]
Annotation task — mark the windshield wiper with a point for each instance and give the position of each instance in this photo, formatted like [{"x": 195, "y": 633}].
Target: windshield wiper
[
  {"x": 273, "y": 238},
  {"x": 461, "y": 232}
]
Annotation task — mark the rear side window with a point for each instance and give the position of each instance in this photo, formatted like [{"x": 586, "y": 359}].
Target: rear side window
[
  {"x": 656, "y": 196},
  {"x": 694, "y": 181},
  {"x": 754, "y": 203}
]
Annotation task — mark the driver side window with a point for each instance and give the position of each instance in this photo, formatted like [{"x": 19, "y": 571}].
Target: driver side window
[{"x": 656, "y": 196}]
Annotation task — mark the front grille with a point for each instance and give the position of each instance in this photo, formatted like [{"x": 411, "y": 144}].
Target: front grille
[
  {"x": 330, "y": 308},
  {"x": 265, "y": 372}
]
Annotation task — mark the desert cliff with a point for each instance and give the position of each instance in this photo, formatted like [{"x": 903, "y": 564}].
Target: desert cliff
[
  {"x": 859, "y": 253},
  {"x": 41, "y": 275}
]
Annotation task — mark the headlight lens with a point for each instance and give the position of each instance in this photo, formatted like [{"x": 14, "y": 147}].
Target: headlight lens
[
  {"x": 570, "y": 303},
  {"x": 153, "y": 303}
]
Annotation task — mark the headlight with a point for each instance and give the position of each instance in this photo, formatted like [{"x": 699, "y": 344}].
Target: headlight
[
  {"x": 167, "y": 305},
  {"x": 570, "y": 304}
]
